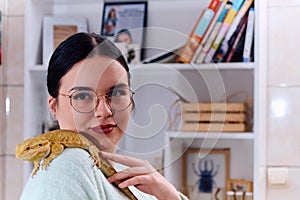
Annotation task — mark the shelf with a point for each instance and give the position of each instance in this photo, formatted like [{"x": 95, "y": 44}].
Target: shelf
[
  {"x": 172, "y": 66},
  {"x": 210, "y": 135},
  {"x": 210, "y": 66}
]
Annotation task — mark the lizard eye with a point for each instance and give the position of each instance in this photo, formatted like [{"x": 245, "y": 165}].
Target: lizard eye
[
  {"x": 27, "y": 148},
  {"x": 40, "y": 145}
]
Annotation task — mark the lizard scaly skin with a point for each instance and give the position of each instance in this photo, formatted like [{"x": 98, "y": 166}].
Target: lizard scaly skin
[{"x": 49, "y": 145}]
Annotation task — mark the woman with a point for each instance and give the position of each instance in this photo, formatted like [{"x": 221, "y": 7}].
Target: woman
[
  {"x": 110, "y": 23},
  {"x": 124, "y": 35},
  {"x": 88, "y": 83}
]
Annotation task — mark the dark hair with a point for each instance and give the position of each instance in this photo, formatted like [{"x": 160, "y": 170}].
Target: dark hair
[
  {"x": 110, "y": 13},
  {"x": 76, "y": 48},
  {"x": 126, "y": 31}
]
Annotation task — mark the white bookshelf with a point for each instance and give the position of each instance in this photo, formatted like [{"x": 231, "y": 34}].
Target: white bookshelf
[
  {"x": 210, "y": 135},
  {"x": 171, "y": 30}
]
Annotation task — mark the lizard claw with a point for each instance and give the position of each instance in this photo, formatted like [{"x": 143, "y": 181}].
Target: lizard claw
[
  {"x": 33, "y": 172},
  {"x": 35, "y": 169},
  {"x": 96, "y": 161}
]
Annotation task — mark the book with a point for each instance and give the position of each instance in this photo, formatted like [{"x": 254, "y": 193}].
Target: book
[
  {"x": 224, "y": 28},
  {"x": 237, "y": 55},
  {"x": 252, "y": 52},
  {"x": 198, "y": 32},
  {"x": 209, "y": 30},
  {"x": 201, "y": 55},
  {"x": 224, "y": 47},
  {"x": 164, "y": 56},
  {"x": 234, "y": 40},
  {"x": 249, "y": 36}
]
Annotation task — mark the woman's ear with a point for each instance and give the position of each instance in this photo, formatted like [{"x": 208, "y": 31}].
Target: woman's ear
[{"x": 52, "y": 103}]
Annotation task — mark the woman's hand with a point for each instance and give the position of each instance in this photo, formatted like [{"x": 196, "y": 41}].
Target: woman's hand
[{"x": 143, "y": 176}]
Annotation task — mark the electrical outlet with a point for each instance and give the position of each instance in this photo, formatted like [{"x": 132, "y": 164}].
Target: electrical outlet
[{"x": 278, "y": 176}]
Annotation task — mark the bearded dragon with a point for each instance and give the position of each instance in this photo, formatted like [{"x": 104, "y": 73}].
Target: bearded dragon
[{"x": 49, "y": 145}]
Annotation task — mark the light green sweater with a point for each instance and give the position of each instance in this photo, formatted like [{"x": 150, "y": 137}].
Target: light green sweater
[{"x": 72, "y": 176}]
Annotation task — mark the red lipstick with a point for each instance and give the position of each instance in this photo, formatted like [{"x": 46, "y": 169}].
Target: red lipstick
[{"x": 104, "y": 128}]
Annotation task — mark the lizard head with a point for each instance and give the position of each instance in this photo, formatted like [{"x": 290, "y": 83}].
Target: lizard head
[{"x": 33, "y": 149}]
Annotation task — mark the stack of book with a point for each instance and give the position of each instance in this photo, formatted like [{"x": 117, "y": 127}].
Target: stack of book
[
  {"x": 222, "y": 33},
  {"x": 214, "y": 117}
]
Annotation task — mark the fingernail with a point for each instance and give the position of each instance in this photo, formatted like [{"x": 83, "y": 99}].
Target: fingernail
[{"x": 121, "y": 185}]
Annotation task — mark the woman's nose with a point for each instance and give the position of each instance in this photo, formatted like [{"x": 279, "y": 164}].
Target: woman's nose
[{"x": 103, "y": 109}]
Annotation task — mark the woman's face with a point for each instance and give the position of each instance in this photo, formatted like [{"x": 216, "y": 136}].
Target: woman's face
[
  {"x": 124, "y": 37},
  {"x": 100, "y": 74},
  {"x": 112, "y": 14}
]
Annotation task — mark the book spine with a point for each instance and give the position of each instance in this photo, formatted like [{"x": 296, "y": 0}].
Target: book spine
[
  {"x": 224, "y": 47},
  {"x": 236, "y": 41},
  {"x": 249, "y": 36},
  {"x": 225, "y": 26},
  {"x": 213, "y": 34},
  {"x": 199, "y": 30},
  {"x": 209, "y": 30},
  {"x": 242, "y": 12},
  {"x": 167, "y": 55}
]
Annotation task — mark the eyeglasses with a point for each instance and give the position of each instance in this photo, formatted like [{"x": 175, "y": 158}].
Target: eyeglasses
[{"x": 86, "y": 101}]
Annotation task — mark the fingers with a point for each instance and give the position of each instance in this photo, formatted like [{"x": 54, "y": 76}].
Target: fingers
[
  {"x": 131, "y": 172},
  {"x": 137, "y": 180},
  {"x": 142, "y": 175}
]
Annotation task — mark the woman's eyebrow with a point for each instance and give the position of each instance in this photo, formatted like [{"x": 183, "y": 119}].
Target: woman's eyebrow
[
  {"x": 120, "y": 85},
  {"x": 81, "y": 88},
  {"x": 117, "y": 86}
]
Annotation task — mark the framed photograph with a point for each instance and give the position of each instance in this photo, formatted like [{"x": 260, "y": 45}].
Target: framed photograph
[
  {"x": 125, "y": 22},
  {"x": 131, "y": 52},
  {"x": 239, "y": 185},
  {"x": 204, "y": 173},
  {"x": 57, "y": 29}
]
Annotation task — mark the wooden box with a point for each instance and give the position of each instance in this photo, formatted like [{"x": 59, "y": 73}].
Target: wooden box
[{"x": 214, "y": 117}]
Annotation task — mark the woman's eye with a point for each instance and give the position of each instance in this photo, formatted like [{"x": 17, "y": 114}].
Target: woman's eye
[
  {"x": 118, "y": 92},
  {"x": 83, "y": 96}
]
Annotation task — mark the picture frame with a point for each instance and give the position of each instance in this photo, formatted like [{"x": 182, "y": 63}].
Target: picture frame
[
  {"x": 125, "y": 22},
  {"x": 205, "y": 173},
  {"x": 131, "y": 52},
  {"x": 57, "y": 29},
  {"x": 239, "y": 185}
]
